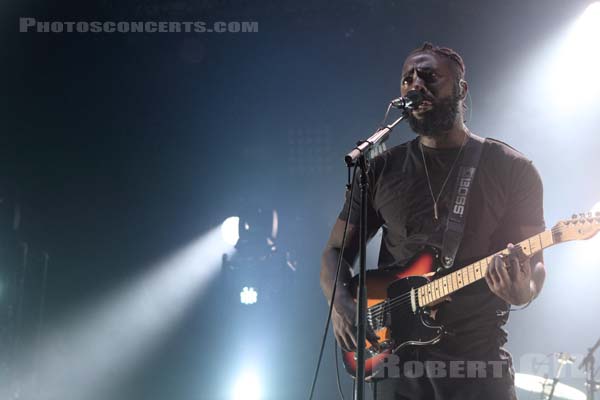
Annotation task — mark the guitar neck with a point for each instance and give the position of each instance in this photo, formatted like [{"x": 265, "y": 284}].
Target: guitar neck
[{"x": 435, "y": 290}]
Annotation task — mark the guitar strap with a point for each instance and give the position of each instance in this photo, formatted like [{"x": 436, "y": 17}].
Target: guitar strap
[{"x": 459, "y": 207}]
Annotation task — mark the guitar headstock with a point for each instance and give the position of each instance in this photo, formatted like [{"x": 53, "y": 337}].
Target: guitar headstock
[{"x": 579, "y": 227}]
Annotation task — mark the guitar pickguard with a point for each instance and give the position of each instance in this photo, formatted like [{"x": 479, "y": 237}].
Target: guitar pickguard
[{"x": 409, "y": 326}]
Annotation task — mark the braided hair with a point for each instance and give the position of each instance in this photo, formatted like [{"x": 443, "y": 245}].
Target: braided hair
[{"x": 457, "y": 61}]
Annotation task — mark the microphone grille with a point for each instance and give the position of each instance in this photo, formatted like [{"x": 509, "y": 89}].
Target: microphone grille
[{"x": 415, "y": 98}]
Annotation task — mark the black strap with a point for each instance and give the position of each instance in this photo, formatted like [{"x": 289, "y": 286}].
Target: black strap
[{"x": 457, "y": 212}]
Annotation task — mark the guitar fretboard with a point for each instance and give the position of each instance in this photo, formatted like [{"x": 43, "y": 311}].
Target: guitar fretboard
[{"x": 434, "y": 291}]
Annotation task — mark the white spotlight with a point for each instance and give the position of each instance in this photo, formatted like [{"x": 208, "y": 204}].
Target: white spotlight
[
  {"x": 248, "y": 295},
  {"x": 247, "y": 387},
  {"x": 587, "y": 253},
  {"x": 137, "y": 316},
  {"x": 593, "y": 11},
  {"x": 230, "y": 230},
  {"x": 586, "y": 32},
  {"x": 579, "y": 58}
]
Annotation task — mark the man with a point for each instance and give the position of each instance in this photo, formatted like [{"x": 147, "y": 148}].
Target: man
[{"x": 411, "y": 187}]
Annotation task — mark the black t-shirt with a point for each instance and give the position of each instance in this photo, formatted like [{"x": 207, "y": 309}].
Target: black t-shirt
[{"x": 506, "y": 194}]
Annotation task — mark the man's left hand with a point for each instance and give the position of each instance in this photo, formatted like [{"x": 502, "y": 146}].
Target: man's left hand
[{"x": 509, "y": 277}]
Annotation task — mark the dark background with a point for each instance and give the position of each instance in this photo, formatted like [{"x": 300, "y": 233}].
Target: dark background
[{"x": 121, "y": 148}]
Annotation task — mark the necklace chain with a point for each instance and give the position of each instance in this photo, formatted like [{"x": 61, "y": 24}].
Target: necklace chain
[{"x": 433, "y": 197}]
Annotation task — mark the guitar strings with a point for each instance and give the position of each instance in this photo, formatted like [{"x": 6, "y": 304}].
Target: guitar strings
[
  {"x": 378, "y": 310},
  {"x": 396, "y": 302}
]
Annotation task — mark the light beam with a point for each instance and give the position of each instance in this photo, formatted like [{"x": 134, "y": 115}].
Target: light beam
[{"x": 86, "y": 355}]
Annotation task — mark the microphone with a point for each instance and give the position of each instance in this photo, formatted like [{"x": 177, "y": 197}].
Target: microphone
[{"x": 409, "y": 102}]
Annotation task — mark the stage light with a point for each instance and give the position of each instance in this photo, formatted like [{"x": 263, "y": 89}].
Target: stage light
[
  {"x": 247, "y": 387},
  {"x": 113, "y": 335},
  {"x": 584, "y": 41},
  {"x": 230, "y": 230},
  {"x": 578, "y": 59},
  {"x": 587, "y": 253},
  {"x": 258, "y": 230},
  {"x": 561, "y": 79},
  {"x": 593, "y": 13},
  {"x": 248, "y": 295}
]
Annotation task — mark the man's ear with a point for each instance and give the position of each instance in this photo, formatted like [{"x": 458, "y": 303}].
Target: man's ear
[{"x": 463, "y": 88}]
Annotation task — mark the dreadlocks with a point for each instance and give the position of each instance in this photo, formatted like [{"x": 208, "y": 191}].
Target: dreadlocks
[{"x": 457, "y": 61}]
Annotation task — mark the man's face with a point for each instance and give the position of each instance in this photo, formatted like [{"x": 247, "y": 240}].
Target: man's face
[{"x": 431, "y": 75}]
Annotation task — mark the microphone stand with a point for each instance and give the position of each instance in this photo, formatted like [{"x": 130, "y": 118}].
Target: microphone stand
[
  {"x": 588, "y": 364},
  {"x": 358, "y": 156},
  {"x": 563, "y": 358}
]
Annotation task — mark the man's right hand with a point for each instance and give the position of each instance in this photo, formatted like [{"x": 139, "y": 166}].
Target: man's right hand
[
  {"x": 344, "y": 327},
  {"x": 344, "y": 309}
]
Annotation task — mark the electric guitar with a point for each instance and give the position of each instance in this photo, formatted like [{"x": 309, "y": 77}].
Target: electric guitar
[{"x": 400, "y": 304}]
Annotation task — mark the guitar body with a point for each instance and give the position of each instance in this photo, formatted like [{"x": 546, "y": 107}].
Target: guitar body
[
  {"x": 402, "y": 301},
  {"x": 397, "y": 322}
]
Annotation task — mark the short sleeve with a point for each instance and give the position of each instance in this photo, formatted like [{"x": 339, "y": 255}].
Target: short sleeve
[
  {"x": 353, "y": 205},
  {"x": 526, "y": 204}
]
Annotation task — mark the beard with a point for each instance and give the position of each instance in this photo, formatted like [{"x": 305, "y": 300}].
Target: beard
[{"x": 439, "y": 119}]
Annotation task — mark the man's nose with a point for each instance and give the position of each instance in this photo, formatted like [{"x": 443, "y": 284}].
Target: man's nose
[{"x": 417, "y": 84}]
